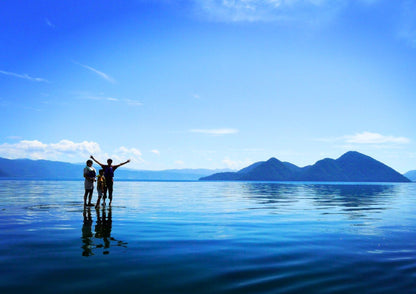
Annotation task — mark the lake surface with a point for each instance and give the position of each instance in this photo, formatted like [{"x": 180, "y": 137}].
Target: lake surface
[{"x": 208, "y": 237}]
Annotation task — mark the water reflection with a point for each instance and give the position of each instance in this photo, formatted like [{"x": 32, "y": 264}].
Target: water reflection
[
  {"x": 87, "y": 233},
  {"x": 101, "y": 239},
  {"x": 352, "y": 196},
  {"x": 347, "y": 198},
  {"x": 271, "y": 193}
]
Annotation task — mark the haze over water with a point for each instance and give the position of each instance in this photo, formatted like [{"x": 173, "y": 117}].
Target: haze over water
[{"x": 208, "y": 237}]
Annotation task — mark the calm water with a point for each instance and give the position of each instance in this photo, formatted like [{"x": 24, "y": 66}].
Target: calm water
[{"x": 208, "y": 237}]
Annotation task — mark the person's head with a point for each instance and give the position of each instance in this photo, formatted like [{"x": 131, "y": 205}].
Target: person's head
[
  {"x": 101, "y": 172},
  {"x": 89, "y": 162},
  {"x": 109, "y": 161}
]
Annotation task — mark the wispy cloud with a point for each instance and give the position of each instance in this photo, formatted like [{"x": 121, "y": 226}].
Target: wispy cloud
[
  {"x": 155, "y": 151},
  {"x": 49, "y": 23},
  {"x": 132, "y": 102},
  {"x": 225, "y": 131},
  {"x": 124, "y": 153},
  {"x": 374, "y": 138},
  {"x": 367, "y": 138},
  {"x": 236, "y": 164},
  {"x": 267, "y": 10},
  {"x": 286, "y": 11},
  {"x": 96, "y": 71},
  {"x": 23, "y": 76},
  {"x": 102, "y": 97}
]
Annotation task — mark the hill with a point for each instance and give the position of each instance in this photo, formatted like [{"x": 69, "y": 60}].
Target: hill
[
  {"x": 411, "y": 175},
  {"x": 45, "y": 169},
  {"x": 350, "y": 167}
]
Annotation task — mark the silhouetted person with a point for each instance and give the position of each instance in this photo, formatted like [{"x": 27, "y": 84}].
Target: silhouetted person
[
  {"x": 101, "y": 188},
  {"x": 109, "y": 170}
]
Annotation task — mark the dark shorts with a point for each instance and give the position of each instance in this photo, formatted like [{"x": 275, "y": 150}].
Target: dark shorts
[{"x": 109, "y": 185}]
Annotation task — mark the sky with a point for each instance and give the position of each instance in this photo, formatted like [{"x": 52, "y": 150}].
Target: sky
[{"x": 208, "y": 83}]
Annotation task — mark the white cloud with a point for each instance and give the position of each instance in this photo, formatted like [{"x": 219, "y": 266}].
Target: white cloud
[
  {"x": 68, "y": 151},
  {"x": 23, "y": 76},
  {"x": 155, "y": 151},
  {"x": 374, "y": 138},
  {"x": 66, "y": 146},
  {"x": 268, "y": 10},
  {"x": 132, "y": 102},
  {"x": 124, "y": 153},
  {"x": 99, "y": 73},
  {"x": 179, "y": 162},
  {"x": 64, "y": 150},
  {"x": 310, "y": 12},
  {"x": 236, "y": 164},
  {"x": 225, "y": 131},
  {"x": 367, "y": 138},
  {"x": 101, "y": 97}
]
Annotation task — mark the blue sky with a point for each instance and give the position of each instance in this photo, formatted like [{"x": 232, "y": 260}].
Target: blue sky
[{"x": 208, "y": 84}]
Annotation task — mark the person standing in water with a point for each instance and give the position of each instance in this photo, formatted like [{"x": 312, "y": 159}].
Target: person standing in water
[
  {"x": 109, "y": 170},
  {"x": 89, "y": 175},
  {"x": 101, "y": 188}
]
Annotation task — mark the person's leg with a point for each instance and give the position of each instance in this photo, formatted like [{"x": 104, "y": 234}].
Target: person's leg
[
  {"x": 85, "y": 197},
  {"x": 98, "y": 201},
  {"x": 110, "y": 191},
  {"x": 104, "y": 195},
  {"x": 100, "y": 195},
  {"x": 90, "y": 197}
]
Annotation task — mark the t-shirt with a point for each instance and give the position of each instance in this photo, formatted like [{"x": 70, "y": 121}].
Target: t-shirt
[
  {"x": 89, "y": 172},
  {"x": 108, "y": 172},
  {"x": 100, "y": 182}
]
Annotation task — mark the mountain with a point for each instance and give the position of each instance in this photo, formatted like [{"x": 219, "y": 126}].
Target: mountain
[
  {"x": 350, "y": 167},
  {"x": 45, "y": 169},
  {"x": 411, "y": 175}
]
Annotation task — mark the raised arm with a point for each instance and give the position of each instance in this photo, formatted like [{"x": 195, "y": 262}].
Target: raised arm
[
  {"x": 99, "y": 163},
  {"x": 118, "y": 165}
]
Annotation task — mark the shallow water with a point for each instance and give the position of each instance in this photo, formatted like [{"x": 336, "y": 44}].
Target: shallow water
[{"x": 208, "y": 237}]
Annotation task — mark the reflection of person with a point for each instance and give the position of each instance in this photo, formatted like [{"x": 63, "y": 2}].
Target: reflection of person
[
  {"x": 103, "y": 228},
  {"x": 89, "y": 175},
  {"x": 109, "y": 170},
  {"x": 100, "y": 238},
  {"x": 87, "y": 233},
  {"x": 101, "y": 187}
]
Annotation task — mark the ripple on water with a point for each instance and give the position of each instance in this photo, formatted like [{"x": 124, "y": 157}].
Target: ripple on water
[{"x": 209, "y": 238}]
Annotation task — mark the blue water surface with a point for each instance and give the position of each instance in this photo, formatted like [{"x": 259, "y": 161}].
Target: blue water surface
[{"x": 209, "y": 237}]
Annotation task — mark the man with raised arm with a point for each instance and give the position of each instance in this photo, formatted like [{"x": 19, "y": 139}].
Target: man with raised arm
[{"x": 109, "y": 170}]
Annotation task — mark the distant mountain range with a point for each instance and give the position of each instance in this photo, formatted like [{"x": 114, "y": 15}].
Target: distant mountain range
[
  {"x": 350, "y": 167},
  {"x": 45, "y": 169},
  {"x": 411, "y": 175}
]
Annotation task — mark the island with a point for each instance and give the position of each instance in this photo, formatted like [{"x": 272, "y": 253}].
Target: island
[{"x": 350, "y": 167}]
